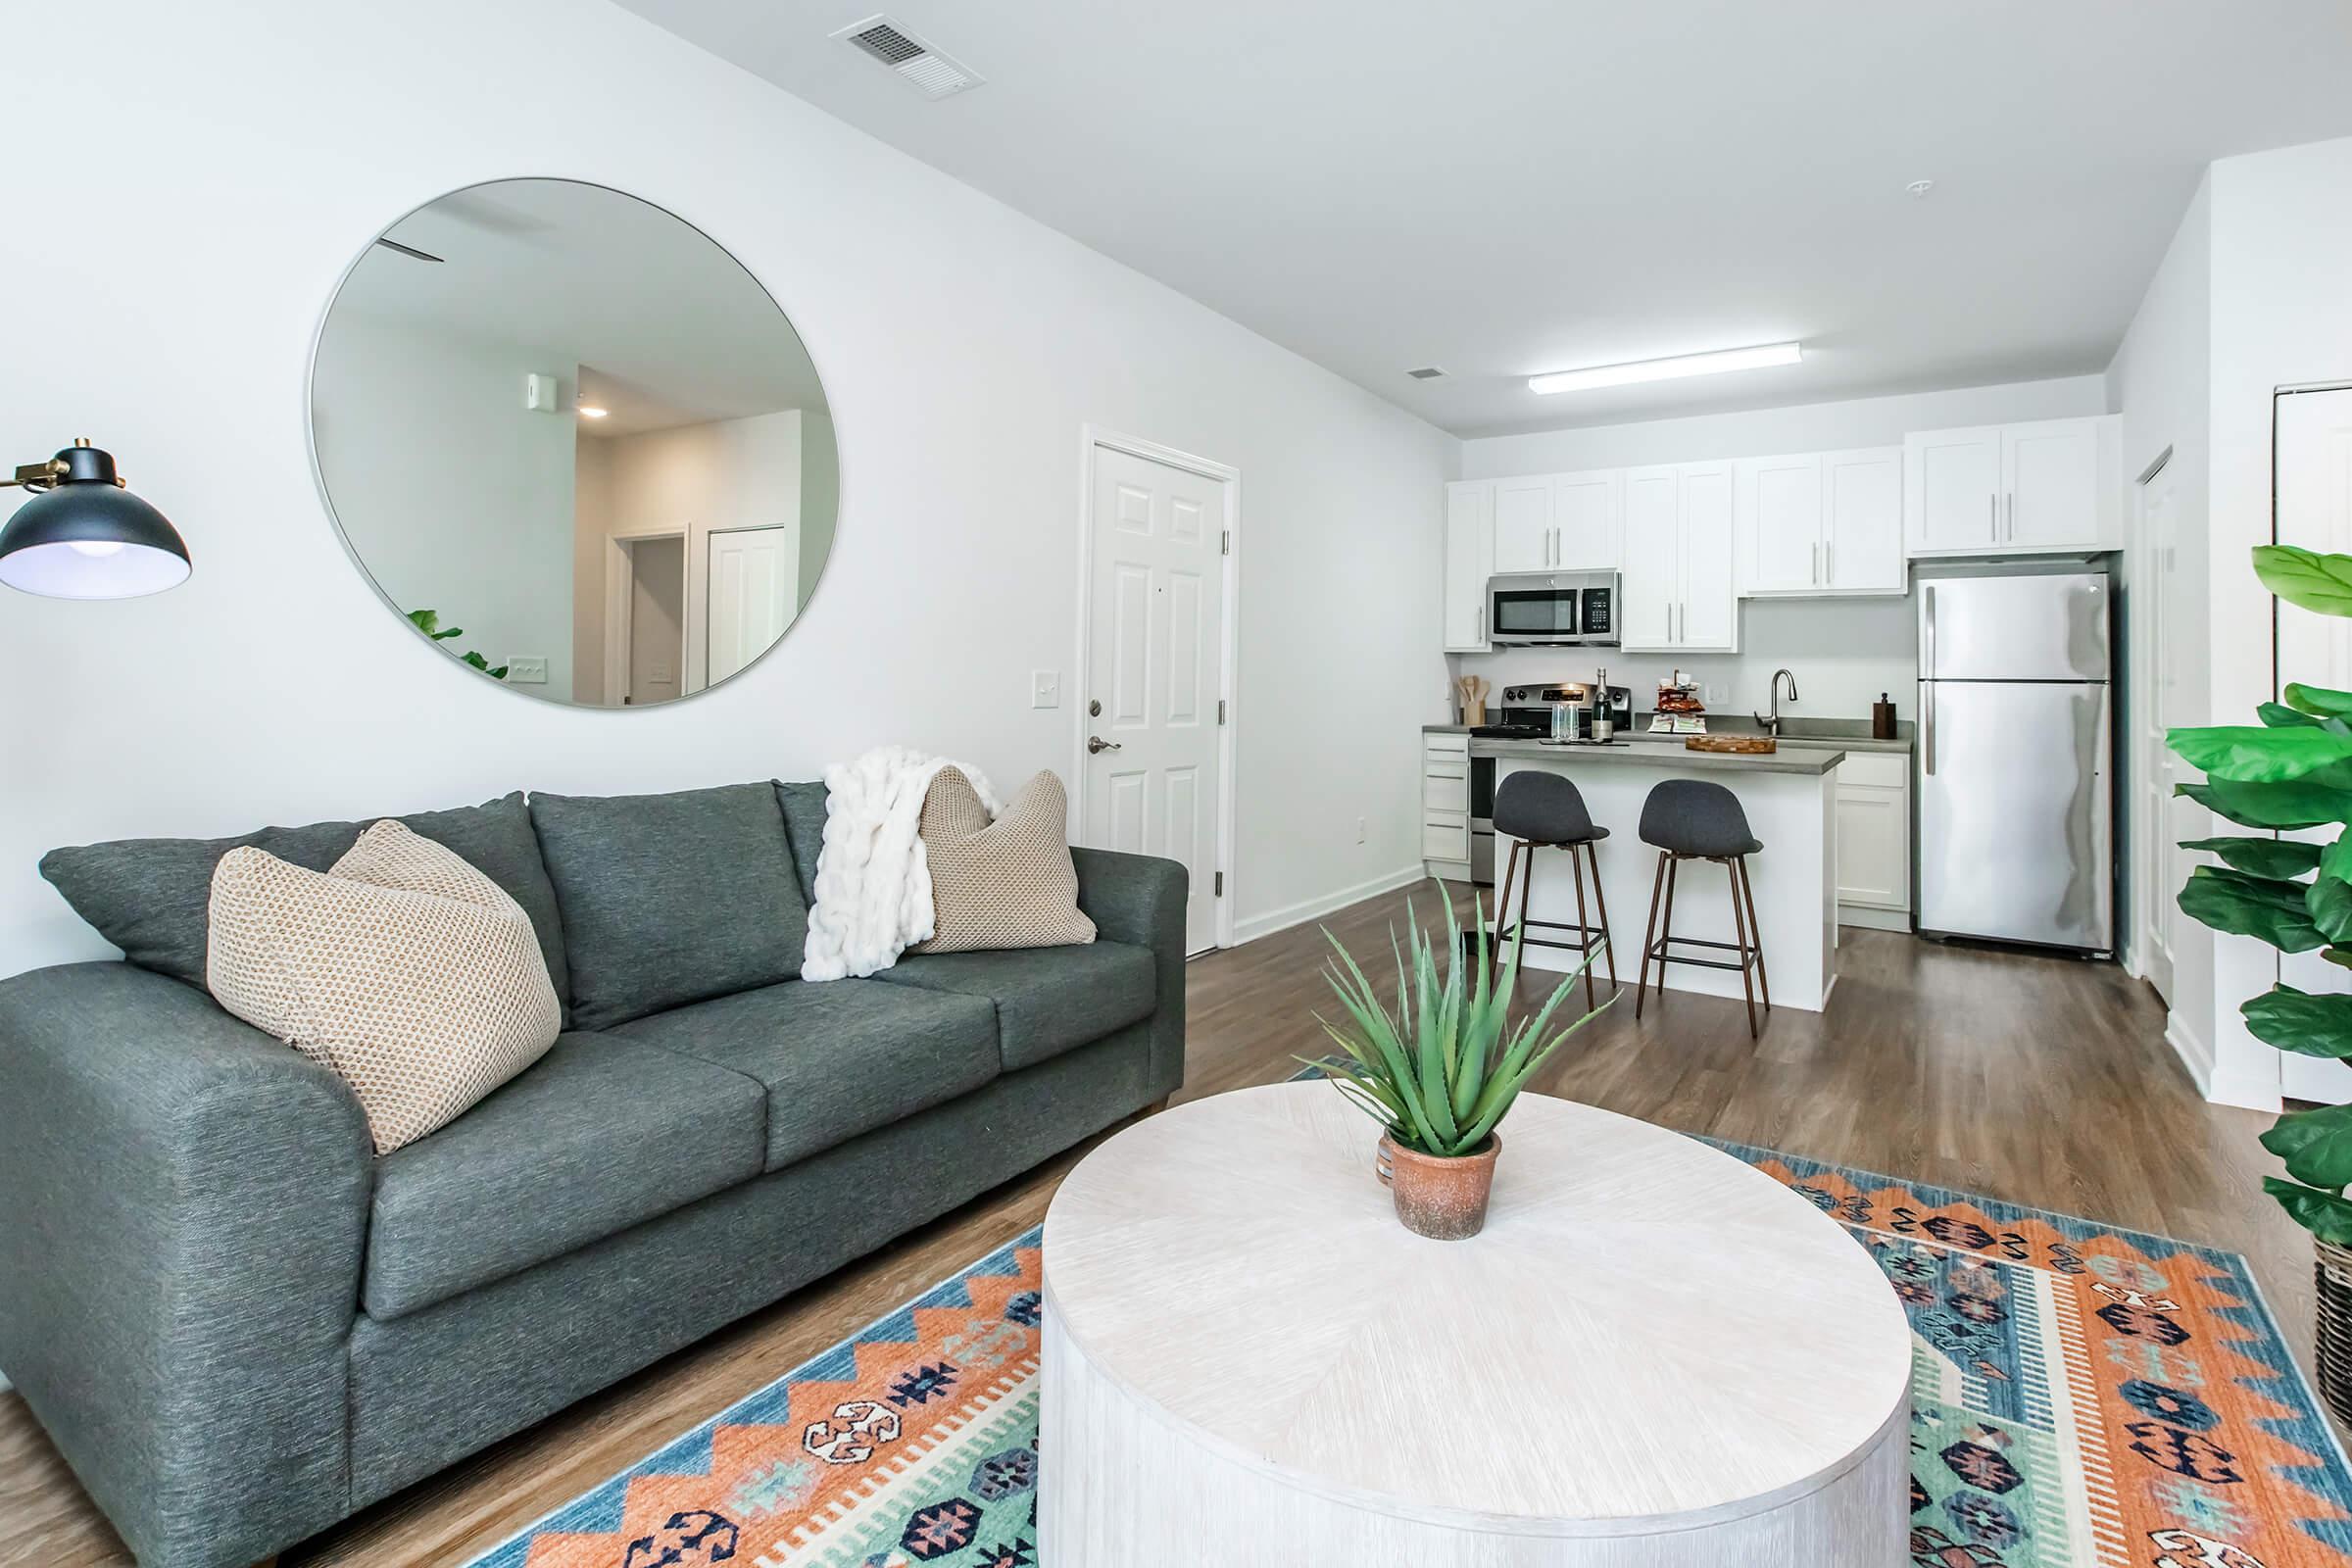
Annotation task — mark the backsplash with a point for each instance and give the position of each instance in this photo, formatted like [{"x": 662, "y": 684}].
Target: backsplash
[{"x": 1842, "y": 651}]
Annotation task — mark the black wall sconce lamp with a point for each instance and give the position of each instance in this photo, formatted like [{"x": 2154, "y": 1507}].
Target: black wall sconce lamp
[{"x": 83, "y": 536}]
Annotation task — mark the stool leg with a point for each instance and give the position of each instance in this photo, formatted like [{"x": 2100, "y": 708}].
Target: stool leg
[
  {"x": 1657, "y": 886},
  {"x": 1584, "y": 925},
  {"x": 1763, "y": 980},
  {"x": 1608, "y": 947},
  {"x": 1510, "y": 870},
  {"x": 1527, "y": 883},
  {"x": 1747, "y": 984},
  {"x": 1674, "y": 873}
]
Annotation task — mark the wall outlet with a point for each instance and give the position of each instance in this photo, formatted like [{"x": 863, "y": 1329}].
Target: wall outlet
[
  {"x": 1714, "y": 694},
  {"x": 1045, "y": 688},
  {"x": 1359, "y": 830},
  {"x": 526, "y": 669}
]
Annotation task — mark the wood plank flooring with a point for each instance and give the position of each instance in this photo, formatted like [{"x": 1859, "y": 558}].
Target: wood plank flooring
[{"x": 2041, "y": 1081}]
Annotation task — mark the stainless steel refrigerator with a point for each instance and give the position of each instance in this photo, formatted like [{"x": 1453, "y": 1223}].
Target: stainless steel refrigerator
[{"x": 2016, "y": 805}]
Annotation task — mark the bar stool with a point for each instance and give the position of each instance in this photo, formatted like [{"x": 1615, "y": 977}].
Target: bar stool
[
  {"x": 1688, "y": 819},
  {"x": 1545, "y": 811}
]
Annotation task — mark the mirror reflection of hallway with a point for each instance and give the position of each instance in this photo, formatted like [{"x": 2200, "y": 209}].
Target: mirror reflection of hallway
[{"x": 657, "y": 620}]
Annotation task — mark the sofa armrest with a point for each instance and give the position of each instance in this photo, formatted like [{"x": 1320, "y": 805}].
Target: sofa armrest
[
  {"x": 1140, "y": 899},
  {"x": 182, "y": 1203}
]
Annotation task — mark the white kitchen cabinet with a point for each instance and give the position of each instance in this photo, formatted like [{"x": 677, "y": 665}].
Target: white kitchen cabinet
[
  {"x": 1776, "y": 512},
  {"x": 1821, "y": 524},
  {"x": 1874, "y": 839},
  {"x": 1588, "y": 520},
  {"x": 2047, "y": 487},
  {"x": 1678, "y": 589},
  {"x": 1862, "y": 522},
  {"x": 1445, "y": 804},
  {"x": 1523, "y": 534},
  {"x": 1469, "y": 561}
]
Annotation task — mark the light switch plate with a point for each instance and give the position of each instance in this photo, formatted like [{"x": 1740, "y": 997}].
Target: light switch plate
[
  {"x": 1045, "y": 688},
  {"x": 526, "y": 669}
]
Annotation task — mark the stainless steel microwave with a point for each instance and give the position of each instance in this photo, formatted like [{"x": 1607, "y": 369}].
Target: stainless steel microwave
[{"x": 1569, "y": 609}]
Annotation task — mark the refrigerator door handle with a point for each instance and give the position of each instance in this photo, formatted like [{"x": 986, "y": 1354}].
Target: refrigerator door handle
[
  {"x": 1926, "y": 729},
  {"x": 1926, "y": 631}
]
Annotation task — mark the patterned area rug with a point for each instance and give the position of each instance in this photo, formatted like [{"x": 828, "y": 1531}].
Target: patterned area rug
[{"x": 2081, "y": 1397}]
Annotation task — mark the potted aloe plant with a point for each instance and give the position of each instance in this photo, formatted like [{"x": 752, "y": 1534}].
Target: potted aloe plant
[
  {"x": 2293, "y": 771},
  {"x": 1440, "y": 1072}
]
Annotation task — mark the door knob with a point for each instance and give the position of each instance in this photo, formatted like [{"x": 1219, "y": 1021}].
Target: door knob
[{"x": 1096, "y": 743}]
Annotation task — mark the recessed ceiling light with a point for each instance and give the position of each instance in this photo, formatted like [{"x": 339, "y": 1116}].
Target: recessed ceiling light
[
  {"x": 1427, "y": 372},
  {"x": 1599, "y": 375},
  {"x": 1920, "y": 188},
  {"x": 589, "y": 410}
]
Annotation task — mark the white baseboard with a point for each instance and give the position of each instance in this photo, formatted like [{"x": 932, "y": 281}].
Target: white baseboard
[
  {"x": 1862, "y": 914},
  {"x": 1282, "y": 919},
  {"x": 2194, "y": 1053}
]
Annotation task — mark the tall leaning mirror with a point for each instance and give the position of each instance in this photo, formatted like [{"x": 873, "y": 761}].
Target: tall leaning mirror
[{"x": 573, "y": 443}]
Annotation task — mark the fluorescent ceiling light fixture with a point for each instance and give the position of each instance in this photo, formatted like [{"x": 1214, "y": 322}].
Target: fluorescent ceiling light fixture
[
  {"x": 1754, "y": 359},
  {"x": 589, "y": 410}
]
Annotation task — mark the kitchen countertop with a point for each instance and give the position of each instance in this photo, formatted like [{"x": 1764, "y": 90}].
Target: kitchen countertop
[
  {"x": 1815, "y": 760},
  {"x": 1845, "y": 734}
]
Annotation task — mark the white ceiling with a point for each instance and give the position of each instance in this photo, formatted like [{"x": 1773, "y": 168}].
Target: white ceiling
[
  {"x": 665, "y": 326},
  {"x": 1525, "y": 185}
]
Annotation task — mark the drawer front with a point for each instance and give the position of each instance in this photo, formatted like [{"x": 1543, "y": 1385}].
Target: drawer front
[
  {"x": 1446, "y": 745},
  {"x": 1887, "y": 770},
  {"x": 1445, "y": 835},
  {"x": 1447, "y": 789}
]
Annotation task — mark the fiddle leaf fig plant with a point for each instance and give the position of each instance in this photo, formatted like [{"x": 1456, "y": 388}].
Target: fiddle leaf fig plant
[
  {"x": 2290, "y": 772},
  {"x": 1442, "y": 1068}
]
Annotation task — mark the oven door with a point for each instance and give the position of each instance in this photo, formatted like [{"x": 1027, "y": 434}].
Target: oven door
[
  {"x": 1533, "y": 615},
  {"x": 1482, "y": 821}
]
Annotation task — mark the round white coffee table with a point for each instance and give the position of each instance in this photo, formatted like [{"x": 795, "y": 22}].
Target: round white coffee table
[{"x": 1652, "y": 1355}]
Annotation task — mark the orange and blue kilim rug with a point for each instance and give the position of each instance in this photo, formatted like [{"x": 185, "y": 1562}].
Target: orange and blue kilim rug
[{"x": 2081, "y": 1397}]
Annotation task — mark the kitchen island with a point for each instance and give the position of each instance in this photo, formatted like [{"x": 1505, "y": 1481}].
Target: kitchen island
[{"x": 1790, "y": 798}]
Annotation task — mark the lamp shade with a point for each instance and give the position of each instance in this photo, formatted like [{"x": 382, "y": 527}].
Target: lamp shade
[{"x": 88, "y": 538}]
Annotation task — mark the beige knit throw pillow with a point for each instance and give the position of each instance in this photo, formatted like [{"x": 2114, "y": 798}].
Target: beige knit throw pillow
[
  {"x": 1002, "y": 884},
  {"x": 404, "y": 969}
]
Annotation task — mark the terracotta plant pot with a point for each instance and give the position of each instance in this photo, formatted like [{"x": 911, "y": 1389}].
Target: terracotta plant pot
[{"x": 1441, "y": 1199}]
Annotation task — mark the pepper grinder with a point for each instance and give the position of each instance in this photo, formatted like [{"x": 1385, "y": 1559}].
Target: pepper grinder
[{"x": 1882, "y": 718}]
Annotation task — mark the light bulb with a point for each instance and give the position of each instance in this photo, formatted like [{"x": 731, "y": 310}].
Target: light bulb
[{"x": 99, "y": 548}]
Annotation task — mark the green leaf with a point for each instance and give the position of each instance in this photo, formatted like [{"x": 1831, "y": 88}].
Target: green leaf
[
  {"x": 2341, "y": 958},
  {"x": 2273, "y": 858},
  {"x": 2319, "y": 583},
  {"x": 444, "y": 636},
  {"x": 2322, "y": 701},
  {"x": 500, "y": 673},
  {"x": 2299, "y": 1021},
  {"x": 2246, "y": 753},
  {"x": 2235, "y": 904},
  {"x": 2280, "y": 717},
  {"x": 2323, "y": 1215},
  {"x": 424, "y": 621},
  {"x": 2336, "y": 859},
  {"x": 2330, "y": 903},
  {"x": 2316, "y": 1146},
  {"x": 2301, "y": 803}
]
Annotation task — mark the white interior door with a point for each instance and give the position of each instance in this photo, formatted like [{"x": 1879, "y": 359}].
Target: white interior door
[
  {"x": 1155, "y": 671},
  {"x": 657, "y": 620},
  {"x": 754, "y": 592},
  {"x": 2315, "y": 511},
  {"x": 2164, "y": 821}
]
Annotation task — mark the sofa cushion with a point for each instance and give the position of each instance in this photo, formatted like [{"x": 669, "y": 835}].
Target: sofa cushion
[
  {"x": 148, "y": 896},
  {"x": 1009, "y": 883},
  {"x": 668, "y": 898},
  {"x": 597, "y": 1136},
  {"x": 1047, "y": 999},
  {"x": 804, "y": 824},
  {"x": 838, "y": 1058}
]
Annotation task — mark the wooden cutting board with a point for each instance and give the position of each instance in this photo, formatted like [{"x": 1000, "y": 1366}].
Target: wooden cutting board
[{"x": 1743, "y": 745}]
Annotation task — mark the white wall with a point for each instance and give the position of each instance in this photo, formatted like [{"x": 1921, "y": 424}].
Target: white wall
[
  {"x": 962, "y": 346},
  {"x": 2281, "y": 317},
  {"x": 2161, "y": 383},
  {"x": 1844, "y": 652},
  {"x": 457, "y": 498},
  {"x": 1769, "y": 433}
]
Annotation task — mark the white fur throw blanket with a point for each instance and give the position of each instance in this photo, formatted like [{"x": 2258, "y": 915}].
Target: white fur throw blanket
[{"x": 873, "y": 882}]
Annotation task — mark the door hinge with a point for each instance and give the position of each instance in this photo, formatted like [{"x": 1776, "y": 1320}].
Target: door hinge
[
  {"x": 1225, "y": 545},
  {"x": 1220, "y": 710},
  {"x": 1220, "y": 893}
]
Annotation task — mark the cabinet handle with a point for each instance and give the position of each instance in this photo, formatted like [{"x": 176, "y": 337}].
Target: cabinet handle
[
  {"x": 1817, "y": 563},
  {"x": 1992, "y": 506},
  {"x": 1481, "y": 624},
  {"x": 1828, "y": 561}
]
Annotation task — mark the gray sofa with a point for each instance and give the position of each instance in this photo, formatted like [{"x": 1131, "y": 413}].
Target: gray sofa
[{"x": 240, "y": 1326}]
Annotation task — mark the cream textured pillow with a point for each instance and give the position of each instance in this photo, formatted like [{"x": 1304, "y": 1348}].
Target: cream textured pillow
[
  {"x": 411, "y": 974},
  {"x": 1002, "y": 884}
]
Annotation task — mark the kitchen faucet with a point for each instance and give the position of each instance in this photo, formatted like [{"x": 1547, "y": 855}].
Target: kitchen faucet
[{"x": 1772, "y": 722}]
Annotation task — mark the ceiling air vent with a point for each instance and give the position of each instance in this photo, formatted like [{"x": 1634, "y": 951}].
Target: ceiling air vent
[
  {"x": 1427, "y": 372},
  {"x": 937, "y": 75}
]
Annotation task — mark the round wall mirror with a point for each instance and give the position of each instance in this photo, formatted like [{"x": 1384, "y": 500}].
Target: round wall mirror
[{"x": 573, "y": 443}]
